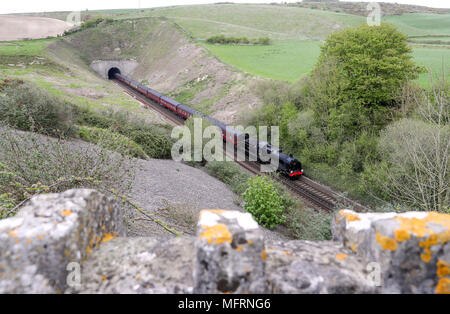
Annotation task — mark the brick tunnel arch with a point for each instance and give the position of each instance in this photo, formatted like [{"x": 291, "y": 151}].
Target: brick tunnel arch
[{"x": 112, "y": 72}]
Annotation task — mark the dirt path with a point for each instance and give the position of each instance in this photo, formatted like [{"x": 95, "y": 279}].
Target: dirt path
[{"x": 28, "y": 27}]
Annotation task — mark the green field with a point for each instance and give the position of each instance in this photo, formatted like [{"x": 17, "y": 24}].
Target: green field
[
  {"x": 434, "y": 59},
  {"x": 421, "y": 24},
  {"x": 289, "y": 60},
  {"x": 283, "y": 60}
]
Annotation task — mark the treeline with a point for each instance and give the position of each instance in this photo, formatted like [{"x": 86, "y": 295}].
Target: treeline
[{"x": 221, "y": 39}]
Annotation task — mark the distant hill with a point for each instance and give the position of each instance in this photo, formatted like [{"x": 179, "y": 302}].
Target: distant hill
[{"x": 360, "y": 8}]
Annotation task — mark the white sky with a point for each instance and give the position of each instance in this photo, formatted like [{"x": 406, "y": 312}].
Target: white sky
[{"x": 22, "y": 6}]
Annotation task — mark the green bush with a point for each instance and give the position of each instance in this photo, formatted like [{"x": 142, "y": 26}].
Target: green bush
[
  {"x": 27, "y": 108},
  {"x": 111, "y": 141},
  {"x": 263, "y": 201}
]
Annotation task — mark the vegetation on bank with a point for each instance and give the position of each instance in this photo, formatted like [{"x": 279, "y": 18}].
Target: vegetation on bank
[
  {"x": 359, "y": 123},
  {"x": 46, "y": 159}
]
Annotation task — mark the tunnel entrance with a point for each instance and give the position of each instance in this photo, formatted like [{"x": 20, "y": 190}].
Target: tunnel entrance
[{"x": 112, "y": 72}]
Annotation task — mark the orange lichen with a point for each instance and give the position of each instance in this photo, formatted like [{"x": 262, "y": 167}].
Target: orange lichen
[
  {"x": 386, "y": 242},
  {"x": 13, "y": 233},
  {"x": 250, "y": 242},
  {"x": 239, "y": 248},
  {"x": 443, "y": 268},
  {"x": 341, "y": 256},
  {"x": 40, "y": 237},
  {"x": 287, "y": 253},
  {"x": 66, "y": 212},
  {"x": 354, "y": 247},
  {"x": 349, "y": 216},
  {"x": 426, "y": 257},
  {"x": 401, "y": 235},
  {"x": 88, "y": 250},
  {"x": 104, "y": 278},
  {"x": 28, "y": 241},
  {"x": 419, "y": 228},
  {"x": 216, "y": 234},
  {"x": 108, "y": 237},
  {"x": 264, "y": 255},
  {"x": 443, "y": 286}
]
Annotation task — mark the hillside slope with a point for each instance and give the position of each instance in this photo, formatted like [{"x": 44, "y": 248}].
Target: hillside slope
[{"x": 170, "y": 63}]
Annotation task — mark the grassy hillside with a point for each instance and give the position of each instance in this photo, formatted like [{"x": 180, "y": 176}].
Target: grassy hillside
[
  {"x": 291, "y": 55},
  {"x": 276, "y": 22},
  {"x": 56, "y": 67}
]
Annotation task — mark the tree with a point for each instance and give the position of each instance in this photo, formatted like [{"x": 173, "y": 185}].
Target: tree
[{"x": 375, "y": 62}]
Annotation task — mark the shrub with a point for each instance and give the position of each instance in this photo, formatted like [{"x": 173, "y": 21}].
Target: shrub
[
  {"x": 307, "y": 224},
  {"x": 25, "y": 107},
  {"x": 112, "y": 141},
  {"x": 263, "y": 202},
  {"x": 31, "y": 164}
]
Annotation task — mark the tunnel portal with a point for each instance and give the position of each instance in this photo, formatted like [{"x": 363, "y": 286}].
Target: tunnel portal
[{"x": 112, "y": 72}]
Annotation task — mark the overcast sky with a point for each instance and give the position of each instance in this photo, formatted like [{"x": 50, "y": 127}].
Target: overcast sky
[{"x": 18, "y": 6}]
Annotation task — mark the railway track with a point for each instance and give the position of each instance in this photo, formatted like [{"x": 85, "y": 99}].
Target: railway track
[{"x": 312, "y": 193}]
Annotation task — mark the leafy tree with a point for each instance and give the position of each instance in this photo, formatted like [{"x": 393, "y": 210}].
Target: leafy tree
[
  {"x": 263, "y": 202},
  {"x": 375, "y": 62}
]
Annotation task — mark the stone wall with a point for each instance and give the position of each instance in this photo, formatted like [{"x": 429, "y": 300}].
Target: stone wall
[{"x": 75, "y": 242}]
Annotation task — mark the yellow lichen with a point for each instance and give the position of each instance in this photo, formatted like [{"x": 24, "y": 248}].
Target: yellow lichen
[
  {"x": 419, "y": 228},
  {"x": 216, "y": 234},
  {"x": 386, "y": 243},
  {"x": 239, "y": 248},
  {"x": 443, "y": 268},
  {"x": 264, "y": 255},
  {"x": 349, "y": 216},
  {"x": 443, "y": 286},
  {"x": 354, "y": 247},
  {"x": 426, "y": 257},
  {"x": 401, "y": 235},
  {"x": 108, "y": 237},
  {"x": 341, "y": 256},
  {"x": 66, "y": 212},
  {"x": 88, "y": 250}
]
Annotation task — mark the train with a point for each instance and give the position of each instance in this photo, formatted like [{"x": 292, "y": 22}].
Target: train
[{"x": 287, "y": 165}]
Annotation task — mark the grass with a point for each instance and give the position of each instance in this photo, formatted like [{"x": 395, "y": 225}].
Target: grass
[
  {"x": 421, "y": 24},
  {"x": 204, "y": 21},
  {"x": 289, "y": 60},
  {"x": 283, "y": 60},
  {"x": 434, "y": 59}
]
